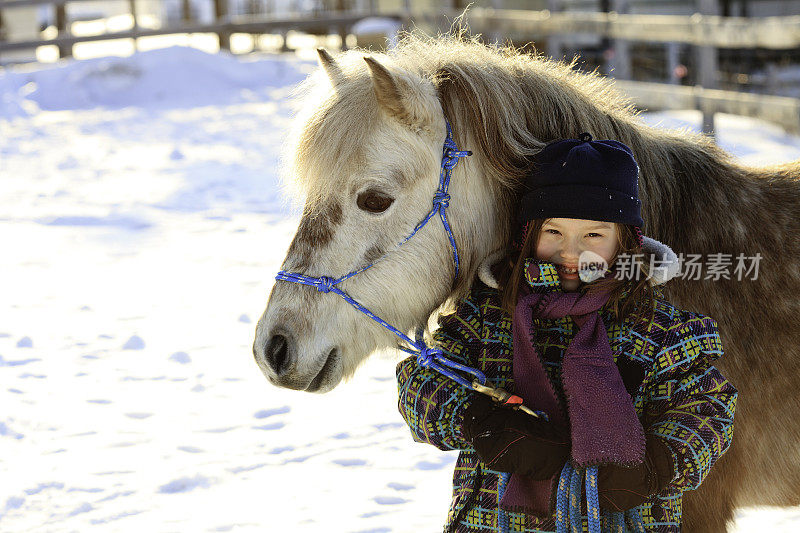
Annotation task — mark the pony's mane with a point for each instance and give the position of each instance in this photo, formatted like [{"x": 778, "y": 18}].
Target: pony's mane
[
  {"x": 509, "y": 101},
  {"x": 512, "y": 101}
]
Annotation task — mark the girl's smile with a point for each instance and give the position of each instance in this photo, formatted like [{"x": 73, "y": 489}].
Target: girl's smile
[{"x": 567, "y": 272}]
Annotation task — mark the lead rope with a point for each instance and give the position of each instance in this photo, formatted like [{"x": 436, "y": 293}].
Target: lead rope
[
  {"x": 502, "y": 515},
  {"x": 569, "y": 517}
]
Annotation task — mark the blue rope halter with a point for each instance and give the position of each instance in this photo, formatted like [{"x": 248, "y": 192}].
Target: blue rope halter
[
  {"x": 432, "y": 357},
  {"x": 426, "y": 356}
]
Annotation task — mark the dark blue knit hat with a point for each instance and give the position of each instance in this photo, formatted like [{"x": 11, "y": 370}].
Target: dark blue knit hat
[{"x": 586, "y": 179}]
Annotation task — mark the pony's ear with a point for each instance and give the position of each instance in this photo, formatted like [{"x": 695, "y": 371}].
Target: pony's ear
[
  {"x": 330, "y": 66},
  {"x": 386, "y": 90},
  {"x": 408, "y": 99}
]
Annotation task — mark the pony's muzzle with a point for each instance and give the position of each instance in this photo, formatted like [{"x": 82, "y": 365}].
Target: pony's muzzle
[{"x": 278, "y": 360}]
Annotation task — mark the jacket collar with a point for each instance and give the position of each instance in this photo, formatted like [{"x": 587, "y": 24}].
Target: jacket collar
[
  {"x": 545, "y": 280},
  {"x": 667, "y": 266}
]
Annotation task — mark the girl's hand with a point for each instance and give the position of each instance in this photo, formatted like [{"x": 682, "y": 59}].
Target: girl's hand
[
  {"x": 508, "y": 440},
  {"x": 620, "y": 488}
]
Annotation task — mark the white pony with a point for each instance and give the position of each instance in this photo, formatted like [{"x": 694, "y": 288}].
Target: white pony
[{"x": 366, "y": 157}]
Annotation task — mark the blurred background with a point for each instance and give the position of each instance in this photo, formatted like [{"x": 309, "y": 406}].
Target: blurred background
[
  {"x": 142, "y": 224},
  {"x": 740, "y": 46}
]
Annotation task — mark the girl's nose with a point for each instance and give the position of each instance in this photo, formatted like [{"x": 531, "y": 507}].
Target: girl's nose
[{"x": 571, "y": 251}]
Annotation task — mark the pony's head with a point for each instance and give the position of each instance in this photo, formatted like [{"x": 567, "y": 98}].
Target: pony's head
[{"x": 366, "y": 157}]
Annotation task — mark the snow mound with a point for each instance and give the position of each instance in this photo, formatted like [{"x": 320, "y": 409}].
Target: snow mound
[
  {"x": 180, "y": 357},
  {"x": 184, "y": 484},
  {"x": 175, "y": 77},
  {"x": 134, "y": 343},
  {"x": 25, "y": 342},
  {"x": 6, "y": 431}
]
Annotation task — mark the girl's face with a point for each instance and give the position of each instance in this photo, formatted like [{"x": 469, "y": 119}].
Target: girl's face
[{"x": 562, "y": 240}]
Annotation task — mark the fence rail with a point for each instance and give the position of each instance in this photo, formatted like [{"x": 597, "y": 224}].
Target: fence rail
[
  {"x": 699, "y": 30},
  {"x": 10, "y": 4},
  {"x": 779, "y": 110},
  {"x": 250, "y": 24}
]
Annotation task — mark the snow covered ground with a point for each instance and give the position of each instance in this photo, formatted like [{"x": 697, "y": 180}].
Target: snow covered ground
[{"x": 140, "y": 229}]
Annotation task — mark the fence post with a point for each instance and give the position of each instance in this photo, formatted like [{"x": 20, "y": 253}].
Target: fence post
[
  {"x": 707, "y": 65},
  {"x": 554, "y": 39},
  {"x": 64, "y": 50},
  {"x": 341, "y": 29},
  {"x": 772, "y": 84},
  {"x": 619, "y": 60},
  {"x": 673, "y": 60},
  {"x": 135, "y": 28},
  {"x": 221, "y": 15}
]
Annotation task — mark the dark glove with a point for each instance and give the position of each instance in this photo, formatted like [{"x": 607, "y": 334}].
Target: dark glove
[
  {"x": 620, "y": 488},
  {"x": 508, "y": 440}
]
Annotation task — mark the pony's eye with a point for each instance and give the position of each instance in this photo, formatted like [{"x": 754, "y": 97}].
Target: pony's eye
[{"x": 374, "y": 201}]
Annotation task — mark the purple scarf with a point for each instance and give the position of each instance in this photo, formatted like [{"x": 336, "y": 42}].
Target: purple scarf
[{"x": 603, "y": 423}]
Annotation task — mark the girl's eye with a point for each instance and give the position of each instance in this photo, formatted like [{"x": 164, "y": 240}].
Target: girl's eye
[
  {"x": 374, "y": 201},
  {"x": 593, "y": 235},
  {"x": 553, "y": 231}
]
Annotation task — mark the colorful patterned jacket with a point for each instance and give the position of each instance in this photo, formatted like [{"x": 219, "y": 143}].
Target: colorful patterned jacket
[{"x": 666, "y": 366}]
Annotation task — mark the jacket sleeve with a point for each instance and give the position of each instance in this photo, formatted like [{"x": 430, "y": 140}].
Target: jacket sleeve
[
  {"x": 689, "y": 403},
  {"x": 432, "y": 404}
]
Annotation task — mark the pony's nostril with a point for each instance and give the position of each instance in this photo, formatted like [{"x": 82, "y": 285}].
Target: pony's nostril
[{"x": 278, "y": 355}]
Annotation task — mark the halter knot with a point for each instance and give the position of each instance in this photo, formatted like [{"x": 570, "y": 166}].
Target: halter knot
[
  {"x": 426, "y": 356},
  {"x": 324, "y": 284},
  {"x": 441, "y": 198},
  {"x": 451, "y": 155}
]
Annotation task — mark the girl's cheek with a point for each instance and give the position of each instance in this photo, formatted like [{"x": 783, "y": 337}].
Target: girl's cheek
[
  {"x": 613, "y": 249},
  {"x": 542, "y": 252}
]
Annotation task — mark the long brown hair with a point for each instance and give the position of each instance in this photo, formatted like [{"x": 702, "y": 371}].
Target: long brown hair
[{"x": 639, "y": 302}]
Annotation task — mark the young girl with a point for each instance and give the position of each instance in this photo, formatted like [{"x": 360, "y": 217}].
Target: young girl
[{"x": 625, "y": 378}]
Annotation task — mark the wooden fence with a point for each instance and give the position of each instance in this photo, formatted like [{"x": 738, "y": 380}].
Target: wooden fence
[
  {"x": 780, "y": 110},
  {"x": 223, "y": 25},
  {"x": 333, "y": 22},
  {"x": 706, "y": 32},
  {"x": 697, "y": 30}
]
